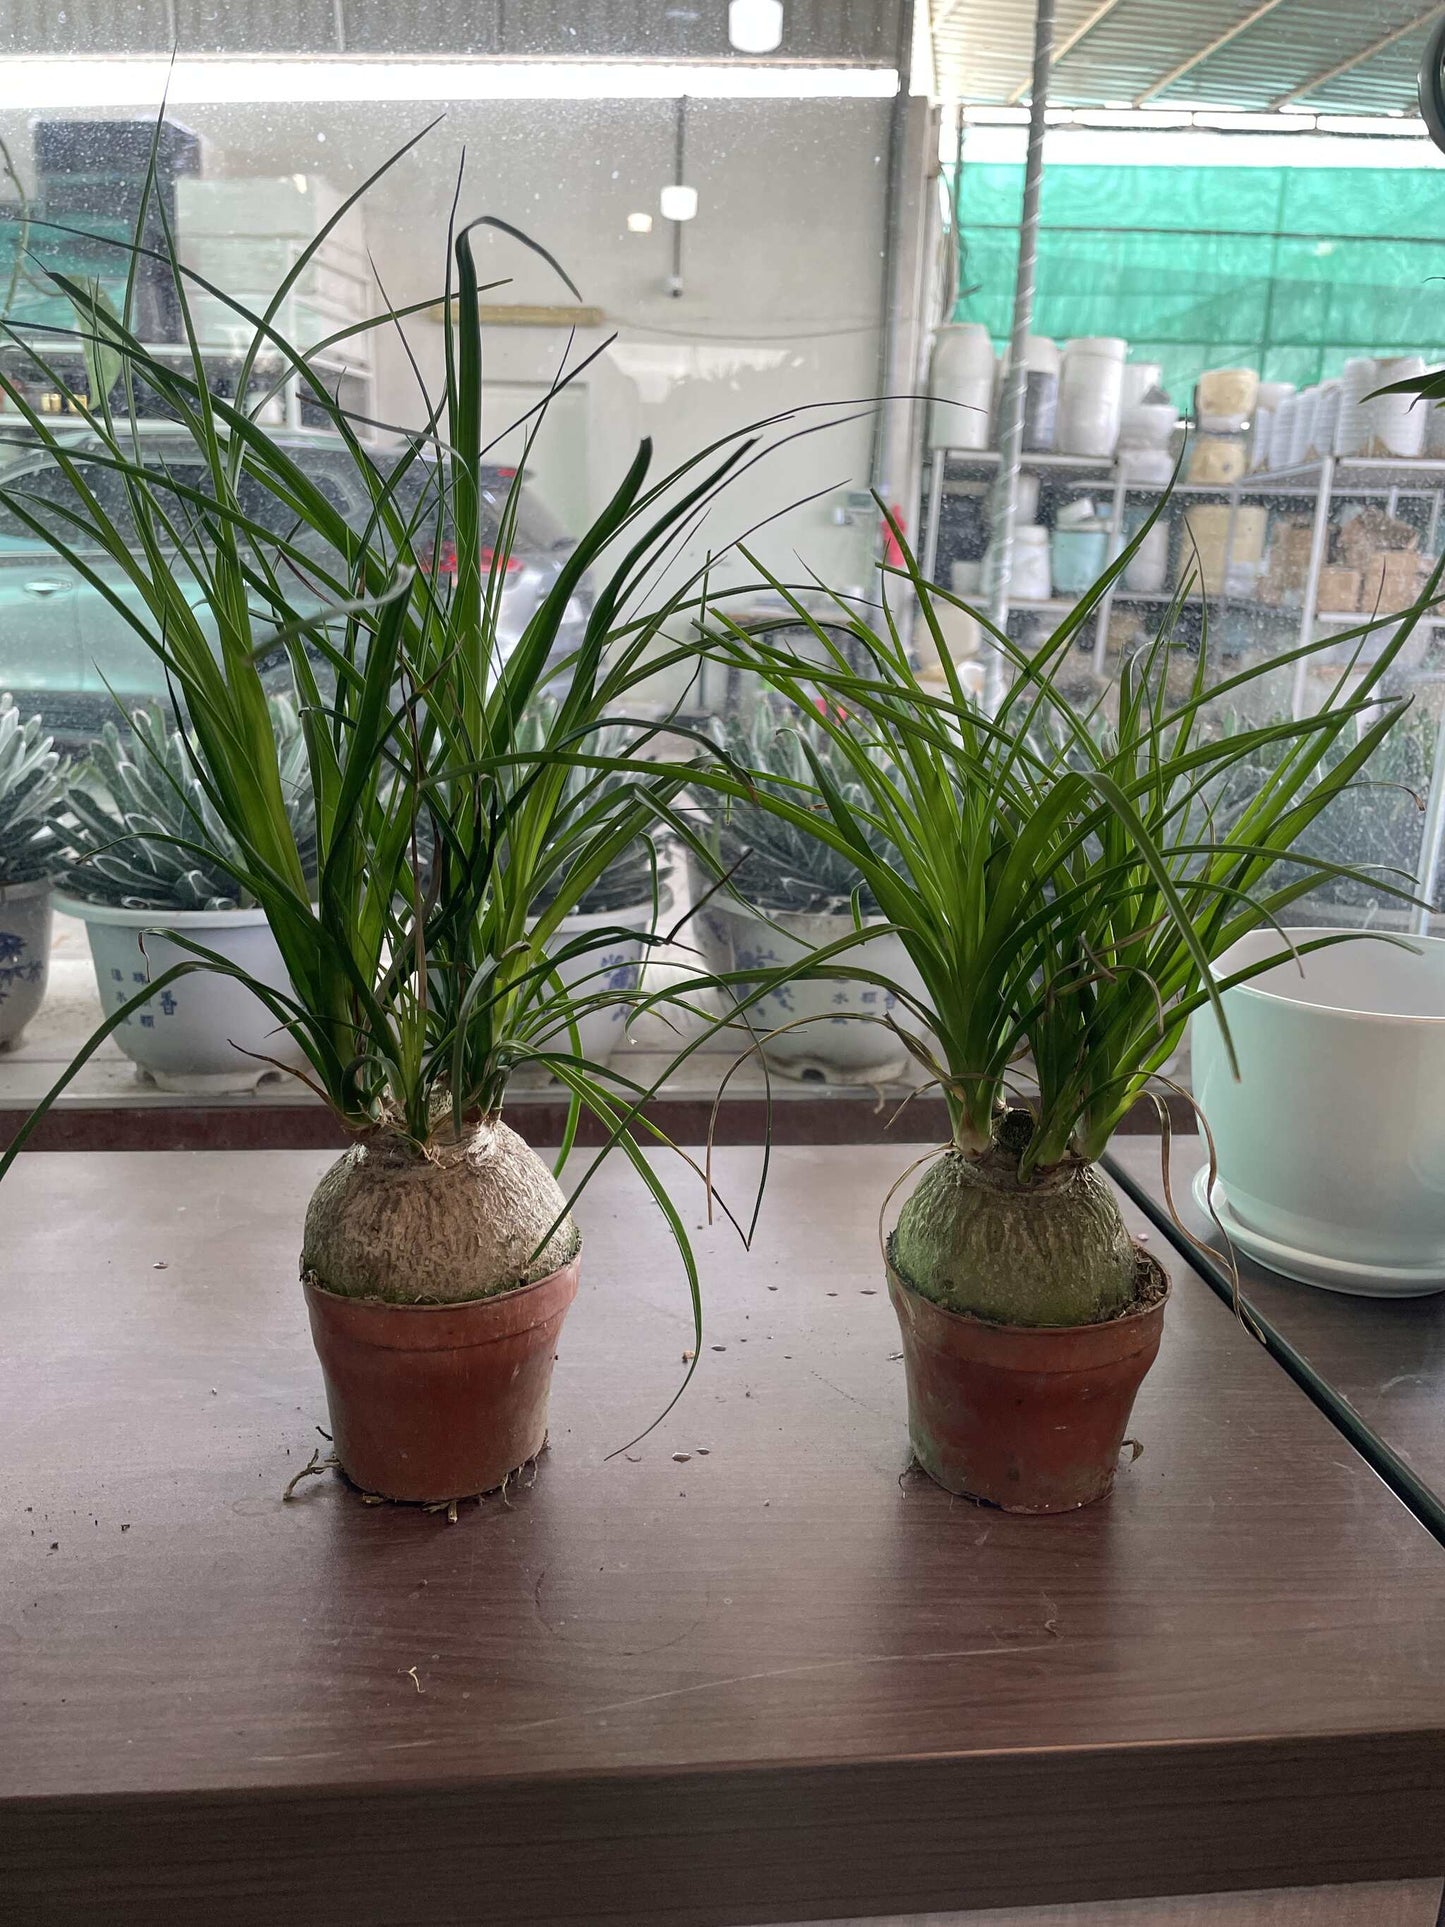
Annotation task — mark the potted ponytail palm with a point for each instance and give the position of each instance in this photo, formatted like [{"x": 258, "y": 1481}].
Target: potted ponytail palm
[
  {"x": 1062, "y": 895},
  {"x": 439, "y": 1255}
]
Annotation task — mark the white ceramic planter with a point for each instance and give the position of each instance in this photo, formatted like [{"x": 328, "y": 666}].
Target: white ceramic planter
[
  {"x": 194, "y": 1036},
  {"x": 832, "y": 1046},
  {"x": 1332, "y": 1144},
  {"x": 614, "y": 966},
  {"x": 24, "y": 956}
]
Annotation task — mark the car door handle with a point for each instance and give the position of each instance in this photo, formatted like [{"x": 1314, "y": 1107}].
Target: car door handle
[{"x": 48, "y": 585}]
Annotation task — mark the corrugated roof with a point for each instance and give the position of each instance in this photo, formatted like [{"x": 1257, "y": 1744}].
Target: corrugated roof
[{"x": 1341, "y": 56}]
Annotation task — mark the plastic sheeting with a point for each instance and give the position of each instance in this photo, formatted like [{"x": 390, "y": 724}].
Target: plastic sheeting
[{"x": 1288, "y": 270}]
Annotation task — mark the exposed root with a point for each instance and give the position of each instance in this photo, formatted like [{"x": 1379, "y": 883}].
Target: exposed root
[
  {"x": 525, "y": 1474},
  {"x": 314, "y": 1470}
]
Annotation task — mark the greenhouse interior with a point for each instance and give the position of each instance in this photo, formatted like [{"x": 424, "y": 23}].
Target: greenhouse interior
[{"x": 656, "y": 659}]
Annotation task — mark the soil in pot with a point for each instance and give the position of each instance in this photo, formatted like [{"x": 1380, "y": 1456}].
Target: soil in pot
[
  {"x": 436, "y": 1283},
  {"x": 1029, "y": 1319}
]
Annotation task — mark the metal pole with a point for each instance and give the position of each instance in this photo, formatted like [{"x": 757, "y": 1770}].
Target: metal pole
[
  {"x": 893, "y": 321},
  {"x": 1319, "y": 544},
  {"x": 1011, "y": 412},
  {"x": 1427, "y": 877}
]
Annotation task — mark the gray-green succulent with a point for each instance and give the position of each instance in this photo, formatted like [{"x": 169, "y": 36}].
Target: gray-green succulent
[
  {"x": 632, "y": 876},
  {"x": 770, "y": 861},
  {"x": 138, "y": 830},
  {"x": 31, "y": 786}
]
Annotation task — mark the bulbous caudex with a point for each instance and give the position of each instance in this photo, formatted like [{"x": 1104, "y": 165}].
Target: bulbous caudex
[
  {"x": 437, "y": 1225},
  {"x": 1045, "y": 1248}
]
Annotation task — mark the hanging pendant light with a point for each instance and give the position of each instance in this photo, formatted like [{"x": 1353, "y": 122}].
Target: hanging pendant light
[{"x": 755, "y": 26}]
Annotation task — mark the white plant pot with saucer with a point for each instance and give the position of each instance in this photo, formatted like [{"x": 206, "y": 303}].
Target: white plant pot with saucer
[
  {"x": 205, "y": 1034},
  {"x": 828, "y": 1041},
  {"x": 612, "y": 966},
  {"x": 1331, "y": 1144},
  {"x": 24, "y": 956}
]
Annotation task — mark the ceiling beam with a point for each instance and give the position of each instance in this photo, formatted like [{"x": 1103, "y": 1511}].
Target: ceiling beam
[
  {"x": 1220, "y": 40},
  {"x": 1067, "y": 44},
  {"x": 1355, "y": 59}
]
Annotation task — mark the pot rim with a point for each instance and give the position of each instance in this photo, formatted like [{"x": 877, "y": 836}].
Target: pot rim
[
  {"x": 1121, "y": 1321},
  {"x": 634, "y": 917},
  {"x": 20, "y": 892},
  {"x": 157, "y": 920},
  {"x": 513, "y": 1294},
  {"x": 754, "y": 914},
  {"x": 1332, "y": 1011}
]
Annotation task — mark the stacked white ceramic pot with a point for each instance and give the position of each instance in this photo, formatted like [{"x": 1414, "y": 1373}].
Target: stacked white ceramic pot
[
  {"x": 961, "y": 381},
  {"x": 1091, "y": 389},
  {"x": 1267, "y": 402},
  {"x": 1353, "y": 431},
  {"x": 1398, "y": 422}
]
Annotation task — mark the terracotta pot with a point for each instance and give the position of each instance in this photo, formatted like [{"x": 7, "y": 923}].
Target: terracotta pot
[
  {"x": 433, "y": 1402},
  {"x": 1030, "y": 1418}
]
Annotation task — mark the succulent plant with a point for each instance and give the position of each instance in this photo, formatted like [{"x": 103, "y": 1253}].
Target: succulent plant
[
  {"x": 767, "y": 860},
  {"x": 31, "y": 786},
  {"x": 137, "y": 829},
  {"x": 628, "y": 879}
]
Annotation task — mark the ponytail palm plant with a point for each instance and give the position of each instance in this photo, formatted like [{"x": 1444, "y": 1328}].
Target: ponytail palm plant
[
  {"x": 447, "y": 834},
  {"x": 1064, "y": 892}
]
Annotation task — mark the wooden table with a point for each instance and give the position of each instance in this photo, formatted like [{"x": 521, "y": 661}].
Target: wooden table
[
  {"x": 749, "y": 1670},
  {"x": 1376, "y": 1364}
]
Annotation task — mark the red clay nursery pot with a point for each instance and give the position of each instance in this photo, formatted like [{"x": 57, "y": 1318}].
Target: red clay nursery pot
[
  {"x": 1030, "y": 1418},
  {"x": 436, "y": 1278},
  {"x": 436, "y": 1402}
]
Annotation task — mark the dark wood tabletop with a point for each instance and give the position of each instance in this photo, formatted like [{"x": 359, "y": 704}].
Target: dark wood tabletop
[
  {"x": 1380, "y": 1361},
  {"x": 751, "y": 1669}
]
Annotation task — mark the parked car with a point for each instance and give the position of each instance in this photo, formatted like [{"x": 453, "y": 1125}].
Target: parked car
[{"x": 68, "y": 652}]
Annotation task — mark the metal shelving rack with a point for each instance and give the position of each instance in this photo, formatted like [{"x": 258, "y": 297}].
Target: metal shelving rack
[{"x": 1388, "y": 479}]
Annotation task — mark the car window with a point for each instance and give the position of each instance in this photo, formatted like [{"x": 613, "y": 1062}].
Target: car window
[
  {"x": 43, "y": 490},
  {"x": 537, "y": 529}
]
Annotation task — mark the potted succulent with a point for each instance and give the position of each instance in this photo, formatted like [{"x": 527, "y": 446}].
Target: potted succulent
[
  {"x": 1061, "y": 902},
  {"x": 30, "y": 784},
  {"x": 142, "y": 858},
  {"x": 439, "y": 1254},
  {"x": 1330, "y": 1141},
  {"x": 769, "y": 894}
]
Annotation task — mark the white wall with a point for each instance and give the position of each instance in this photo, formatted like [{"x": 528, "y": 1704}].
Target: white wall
[{"x": 782, "y": 276}]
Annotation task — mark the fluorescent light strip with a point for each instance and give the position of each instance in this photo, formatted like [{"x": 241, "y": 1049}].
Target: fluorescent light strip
[{"x": 31, "y": 83}]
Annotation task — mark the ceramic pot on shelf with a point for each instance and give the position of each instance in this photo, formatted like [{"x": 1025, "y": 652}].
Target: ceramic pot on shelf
[
  {"x": 1398, "y": 422},
  {"x": 24, "y": 956},
  {"x": 961, "y": 378},
  {"x": 1282, "y": 432},
  {"x": 1030, "y": 579},
  {"x": 1090, "y": 396},
  {"x": 1041, "y": 393},
  {"x": 1302, "y": 424},
  {"x": 614, "y": 966},
  {"x": 1331, "y": 1143},
  {"x": 206, "y": 1032},
  {"x": 1077, "y": 557},
  {"x": 1148, "y": 569},
  {"x": 818, "y": 1031},
  {"x": 1354, "y": 426},
  {"x": 1267, "y": 401}
]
